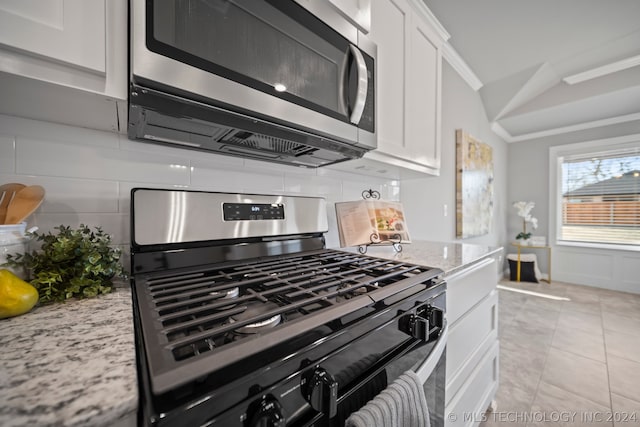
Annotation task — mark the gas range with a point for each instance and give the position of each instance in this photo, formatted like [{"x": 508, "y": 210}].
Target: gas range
[{"x": 243, "y": 317}]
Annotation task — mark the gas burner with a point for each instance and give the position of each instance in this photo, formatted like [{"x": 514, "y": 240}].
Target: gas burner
[
  {"x": 230, "y": 294},
  {"x": 253, "y": 311}
]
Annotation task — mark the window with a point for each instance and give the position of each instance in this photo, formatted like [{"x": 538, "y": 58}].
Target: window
[{"x": 598, "y": 194}]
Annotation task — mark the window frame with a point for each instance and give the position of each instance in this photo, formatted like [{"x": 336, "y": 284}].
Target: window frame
[{"x": 556, "y": 153}]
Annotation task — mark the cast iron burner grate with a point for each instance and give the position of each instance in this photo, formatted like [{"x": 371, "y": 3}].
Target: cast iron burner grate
[{"x": 196, "y": 315}]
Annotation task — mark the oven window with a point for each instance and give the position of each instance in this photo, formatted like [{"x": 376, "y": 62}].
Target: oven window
[
  {"x": 434, "y": 386},
  {"x": 434, "y": 390},
  {"x": 280, "y": 49}
]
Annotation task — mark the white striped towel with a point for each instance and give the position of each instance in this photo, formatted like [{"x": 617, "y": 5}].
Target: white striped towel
[{"x": 402, "y": 404}]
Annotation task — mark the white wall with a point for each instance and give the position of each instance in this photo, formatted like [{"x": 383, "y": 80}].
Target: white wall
[
  {"x": 88, "y": 175},
  {"x": 424, "y": 199},
  {"x": 528, "y": 176}
]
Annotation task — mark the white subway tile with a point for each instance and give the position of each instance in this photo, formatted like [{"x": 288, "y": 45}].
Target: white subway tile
[
  {"x": 178, "y": 152},
  {"x": 391, "y": 191},
  {"x": 72, "y": 195},
  {"x": 79, "y": 195},
  {"x": 208, "y": 161},
  {"x": 40, "y": 157},
  {"x": 268, "y": 167},
  {"x": 313, "y": 186},
  {"x": 340, "y": 174},
  {"x": 353, "y": 188},
  {"x": 7, "y": 155},
  {"x": 355, "y": 184},
  {"x": 48, "y": 131},
  {"x": 211, "y": 176},
  {"x": 117, "y": 225}
]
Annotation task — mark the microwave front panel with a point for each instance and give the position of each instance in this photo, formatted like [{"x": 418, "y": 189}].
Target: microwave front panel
[
  {"x": 254, "y": 44},
  {"x": 252, "y": 55}
]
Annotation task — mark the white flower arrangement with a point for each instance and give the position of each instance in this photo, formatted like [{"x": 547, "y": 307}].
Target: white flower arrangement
[{"x": 524, "y": 211}]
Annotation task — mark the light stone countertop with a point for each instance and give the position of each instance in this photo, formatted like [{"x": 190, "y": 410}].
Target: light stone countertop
[
  {"x": 70, "y": 364},
  {"x": 449, "y": 257}
]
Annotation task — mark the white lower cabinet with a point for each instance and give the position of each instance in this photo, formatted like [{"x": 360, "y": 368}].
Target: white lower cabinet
[
  {"x": 467, "y": 407},
  {"x": 472, "y": 346}
]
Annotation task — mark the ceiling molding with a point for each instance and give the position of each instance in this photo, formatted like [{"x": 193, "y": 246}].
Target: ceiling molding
[
  {"x": 613, "y": 67},
  {"x": 565, "y": 129},
  {"x": 455, "y": 60},
  {"x": 432, "y": 20},
  {"x": 501, "y": 132}
]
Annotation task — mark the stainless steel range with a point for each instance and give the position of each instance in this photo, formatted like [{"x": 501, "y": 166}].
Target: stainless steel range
[{"x": 243, "y": 317}]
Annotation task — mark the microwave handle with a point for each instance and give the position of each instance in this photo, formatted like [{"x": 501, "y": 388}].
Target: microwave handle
[{"x": 363, "y": 84}]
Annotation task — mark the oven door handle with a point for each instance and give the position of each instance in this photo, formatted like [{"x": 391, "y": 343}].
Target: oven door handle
[{"x": 427, "y": 367}]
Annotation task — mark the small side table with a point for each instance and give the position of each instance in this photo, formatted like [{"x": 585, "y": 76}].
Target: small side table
[{"x": 548, "y": 248}]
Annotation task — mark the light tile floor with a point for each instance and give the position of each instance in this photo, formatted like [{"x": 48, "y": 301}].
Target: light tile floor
[{"x": 573, "y": 361}]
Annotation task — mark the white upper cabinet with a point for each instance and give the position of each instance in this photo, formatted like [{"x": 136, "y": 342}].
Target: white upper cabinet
[
  {"x": 408, "y": 90},
  {"x": 68, "y": 31},
  {"x": 390, "y": 21},
  {"x": 358, "y": 12},
  {"x": 422, "y": 119},
  {"x": 64, "y": 53}
]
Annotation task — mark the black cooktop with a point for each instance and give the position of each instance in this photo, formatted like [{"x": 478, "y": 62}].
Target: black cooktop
[{"x": 202, "y": 319}]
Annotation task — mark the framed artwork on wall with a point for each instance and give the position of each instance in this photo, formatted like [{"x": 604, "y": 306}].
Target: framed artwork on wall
[{"x": 474, "y": 186}]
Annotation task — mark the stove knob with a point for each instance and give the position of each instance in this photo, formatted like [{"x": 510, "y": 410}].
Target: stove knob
[
  {"x": 268, "y": 413},
  {"x": 321, "y": 392}
]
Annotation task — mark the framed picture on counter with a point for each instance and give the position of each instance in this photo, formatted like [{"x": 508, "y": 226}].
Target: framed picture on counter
[{"x": 371, "y": 221}]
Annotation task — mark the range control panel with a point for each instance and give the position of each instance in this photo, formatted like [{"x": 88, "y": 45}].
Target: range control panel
[{"x": 252, "y": 211}]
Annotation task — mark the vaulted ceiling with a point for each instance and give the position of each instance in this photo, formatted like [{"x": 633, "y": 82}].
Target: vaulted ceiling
[{"x": 546, "y": 67}]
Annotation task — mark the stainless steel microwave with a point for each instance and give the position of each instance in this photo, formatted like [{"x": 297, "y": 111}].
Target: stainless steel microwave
[{"x": 279, "y": 80}]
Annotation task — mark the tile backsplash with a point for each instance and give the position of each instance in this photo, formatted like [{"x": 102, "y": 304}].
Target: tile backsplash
[{"x": 88, "y": 175}]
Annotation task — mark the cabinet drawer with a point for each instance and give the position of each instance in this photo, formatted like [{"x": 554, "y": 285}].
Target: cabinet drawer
[
  {"x": 469, "y": 340},
  {"x": 469, "y": 404},
  {"x": 466, "y": 288}
]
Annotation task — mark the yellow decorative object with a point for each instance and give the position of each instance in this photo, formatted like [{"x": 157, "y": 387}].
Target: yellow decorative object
[{"x": 16, "y": 296}]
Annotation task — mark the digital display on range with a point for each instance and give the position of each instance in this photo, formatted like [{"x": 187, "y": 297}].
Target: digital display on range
[{"x": 252, "y": 211}]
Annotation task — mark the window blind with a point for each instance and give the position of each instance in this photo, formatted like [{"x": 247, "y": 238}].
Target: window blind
[{"x": 601, "y": 197}]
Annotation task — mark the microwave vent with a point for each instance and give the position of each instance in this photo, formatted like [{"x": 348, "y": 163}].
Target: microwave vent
[
  {"x": 268, "y": 143},
  {"x": 165, "y": 118}
]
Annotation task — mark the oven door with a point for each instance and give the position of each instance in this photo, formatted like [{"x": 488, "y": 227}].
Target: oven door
[
  {"x": 269, "y": 57},
  {"x": 429, "y": 363},
  {"x": 424, "y": 353}
]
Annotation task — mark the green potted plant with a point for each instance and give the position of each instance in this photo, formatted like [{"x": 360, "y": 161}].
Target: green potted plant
[{"x": 72, "y": 263}]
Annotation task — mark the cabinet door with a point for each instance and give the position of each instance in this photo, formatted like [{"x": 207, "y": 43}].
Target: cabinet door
[
  {"x": 422, "y": 135},
  {"x": 70, "y": 53},
  {"x": 358, "y": 12},
  {"x": 408, "y": 87},
  {"x": 389, "y": 22},
  {"x": 467, "y": 407},
  {"x": 68, "y": 31}
]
